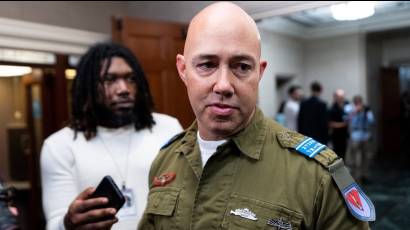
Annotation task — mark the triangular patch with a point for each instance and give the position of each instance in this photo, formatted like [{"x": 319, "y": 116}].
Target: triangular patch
[{"x": 358, "y": 203}]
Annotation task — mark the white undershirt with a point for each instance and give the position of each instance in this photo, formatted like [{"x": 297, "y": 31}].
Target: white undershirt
[{"x": 207, "y": 148}]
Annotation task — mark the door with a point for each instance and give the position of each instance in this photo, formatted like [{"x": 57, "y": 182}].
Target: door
[
  {"x": 390, "y": 111},
  {"x": 156, "y": 45}
]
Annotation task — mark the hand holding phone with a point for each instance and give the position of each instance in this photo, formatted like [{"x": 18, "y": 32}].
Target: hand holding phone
[
  {"x": 107, "y": 188},
  {"x": 95, "y": 208}
]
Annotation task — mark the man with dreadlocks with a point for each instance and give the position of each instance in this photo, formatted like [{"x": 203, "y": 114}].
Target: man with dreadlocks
[{"x": 113, "y": 131}]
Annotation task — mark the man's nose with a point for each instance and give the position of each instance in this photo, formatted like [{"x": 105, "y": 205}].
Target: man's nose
[
  {"x": 122, "y": 87},
  {"x": 223, "y": 84}
]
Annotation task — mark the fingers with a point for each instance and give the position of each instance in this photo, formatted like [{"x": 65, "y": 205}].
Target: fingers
[
  {"x": 93, "y": 216},
  {"x": 86, "y": 211},
  {"x": 85, "y": 194},
  {"x": 79, "y": 206},
  {"x": 106, "y": 224}
]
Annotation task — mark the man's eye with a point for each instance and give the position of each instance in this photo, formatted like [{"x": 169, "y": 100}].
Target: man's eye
[
  {"x": 131, "y": 78},
  {"x": 242, "y": 68},
  {"x": 109, "y": 78},
  {"x": 205, "y": 66}
]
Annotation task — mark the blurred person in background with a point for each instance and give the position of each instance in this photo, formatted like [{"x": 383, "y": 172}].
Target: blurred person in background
[
  {"x": 113, "y": 131},
  {"x": 360, "y": 121},
  {"x": 338, "y": 123},
  {"x": 313, "y": 116},
  {"x": 8, "y": 213},
  {"x": 291, "y": 109}
]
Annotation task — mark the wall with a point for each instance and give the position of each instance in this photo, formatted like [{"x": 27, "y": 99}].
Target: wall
[
  {"x": 396, "y": 50},
  {"x": 337, "y": 62},
  {"x": 84, "y": 15},
  {"x": 284, "y": 55}
]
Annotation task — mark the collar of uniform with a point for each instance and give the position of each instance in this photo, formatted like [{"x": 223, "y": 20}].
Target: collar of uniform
[
  {"x": 188, "y": 140},
  {"x": 250, "y": 140}
]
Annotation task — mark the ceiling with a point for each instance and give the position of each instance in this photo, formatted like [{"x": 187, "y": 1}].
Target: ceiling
[
  {"x": 323, "y": 16},
  {"x": 318, "y": 22}
]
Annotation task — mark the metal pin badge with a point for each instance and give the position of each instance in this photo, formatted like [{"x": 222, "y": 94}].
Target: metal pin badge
[
  {"x": 280, "y": 224},
  {"x": 244, "y": 213}
]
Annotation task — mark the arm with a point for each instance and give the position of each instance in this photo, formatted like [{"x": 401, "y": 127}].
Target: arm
[
  {"x": 62, "y": 207},
  {"x": 146, "y": 222},
  {"x": 58, "y": 183}
]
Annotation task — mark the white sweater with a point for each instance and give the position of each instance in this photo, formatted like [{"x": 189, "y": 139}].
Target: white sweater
[{"x": 69, "y": 166}]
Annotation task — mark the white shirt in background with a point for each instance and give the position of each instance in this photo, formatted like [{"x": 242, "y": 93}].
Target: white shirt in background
[
  {"x": 291, "y": 112},
  {"x": 69, "y": 166}
]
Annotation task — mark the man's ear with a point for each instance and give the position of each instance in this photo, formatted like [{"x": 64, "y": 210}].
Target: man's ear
[
  {"x": 181, "y": 67},
  {"x": 262, "y": 67}
]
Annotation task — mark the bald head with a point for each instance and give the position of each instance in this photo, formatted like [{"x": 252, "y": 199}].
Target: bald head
[
  {"x": 222, "y": 20},
  {"x": 339, "y": 96},
  {"x": 221, "y": 69}
]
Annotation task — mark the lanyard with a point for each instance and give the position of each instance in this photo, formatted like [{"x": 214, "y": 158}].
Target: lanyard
[{"x": 117, "y": 167}]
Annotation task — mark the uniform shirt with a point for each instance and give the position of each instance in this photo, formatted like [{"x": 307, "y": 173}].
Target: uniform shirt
[
  {"x": 69, "y": 166},
  {"x": 207, "y": 148},
  {"x": 251, "y": 172}
]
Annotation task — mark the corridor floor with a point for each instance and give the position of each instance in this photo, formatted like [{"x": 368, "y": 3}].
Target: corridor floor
[{"x": 389, "y": 189}]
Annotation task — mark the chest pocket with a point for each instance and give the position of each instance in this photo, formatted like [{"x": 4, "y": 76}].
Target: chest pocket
[
  {"x": 248, "y": 213},
  {"x": 161, "y": 205}
]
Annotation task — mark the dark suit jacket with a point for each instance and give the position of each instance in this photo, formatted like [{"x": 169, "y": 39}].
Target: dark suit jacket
[{"x": 313, "y": 119}]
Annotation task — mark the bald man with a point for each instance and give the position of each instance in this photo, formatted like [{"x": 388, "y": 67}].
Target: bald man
[
  {"x": 233, "y": 168},
  {"x": 338, "y": 122}
]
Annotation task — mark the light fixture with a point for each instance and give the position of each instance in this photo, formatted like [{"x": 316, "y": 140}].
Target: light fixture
[
  {"x": 354, "y": 10},
  {"x": 14, "y": 71},
  {"x": 70, "y": 74}
]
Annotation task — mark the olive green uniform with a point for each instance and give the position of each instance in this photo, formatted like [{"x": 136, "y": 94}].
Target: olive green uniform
[{"x": 257, "y": 171}]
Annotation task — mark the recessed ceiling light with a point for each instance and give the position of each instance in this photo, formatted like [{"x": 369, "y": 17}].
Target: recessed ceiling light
[
  {"x": 13, "y": 71},
  {"x": 351, "y": 11}
]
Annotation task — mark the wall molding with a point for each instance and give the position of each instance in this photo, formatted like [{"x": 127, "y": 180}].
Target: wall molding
[{"x": 42, "y": 37}]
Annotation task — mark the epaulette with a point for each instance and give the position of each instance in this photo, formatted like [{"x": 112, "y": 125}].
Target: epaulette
[
  {"x": 359, "y": 205},
  {"x": 173, "y": 139}
]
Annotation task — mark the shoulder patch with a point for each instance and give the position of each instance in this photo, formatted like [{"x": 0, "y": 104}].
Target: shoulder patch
[
  {"x": 304, "y": 145},
  {"x": 174, "y": 138},
  {"x": 359, "y": 205}
]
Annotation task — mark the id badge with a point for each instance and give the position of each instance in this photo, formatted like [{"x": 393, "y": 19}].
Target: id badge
[{"x": 129, "y": 209}]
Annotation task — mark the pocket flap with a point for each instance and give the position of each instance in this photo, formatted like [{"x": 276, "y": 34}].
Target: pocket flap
[{"x": 162, "y": 200}]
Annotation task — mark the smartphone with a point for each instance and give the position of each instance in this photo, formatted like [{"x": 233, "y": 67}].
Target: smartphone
[{"x": 107, "y": 188}]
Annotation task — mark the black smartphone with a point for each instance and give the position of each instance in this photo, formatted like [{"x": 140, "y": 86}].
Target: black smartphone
[{"x": 107, "y": 188}]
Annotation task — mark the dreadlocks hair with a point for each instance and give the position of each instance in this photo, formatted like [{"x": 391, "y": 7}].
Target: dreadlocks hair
[{"x": 85, "y": 92}]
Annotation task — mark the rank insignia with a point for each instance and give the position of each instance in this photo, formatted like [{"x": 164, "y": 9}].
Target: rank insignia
[
  {"x": 164, "y": 179},
  {"x": 280, "y": 224},
  {"x": 358, "y": 203},
  {"x": 244, "y": 213},
  {"x": 310, "y": 147}
]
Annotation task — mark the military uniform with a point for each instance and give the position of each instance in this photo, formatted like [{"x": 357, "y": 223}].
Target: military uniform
[{"x": 255, "y": 180}]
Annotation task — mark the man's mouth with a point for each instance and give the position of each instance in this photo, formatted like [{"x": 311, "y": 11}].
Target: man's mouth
[
  {"x": 220, "y": 109},
  {"x": 123, "y": 104}
]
